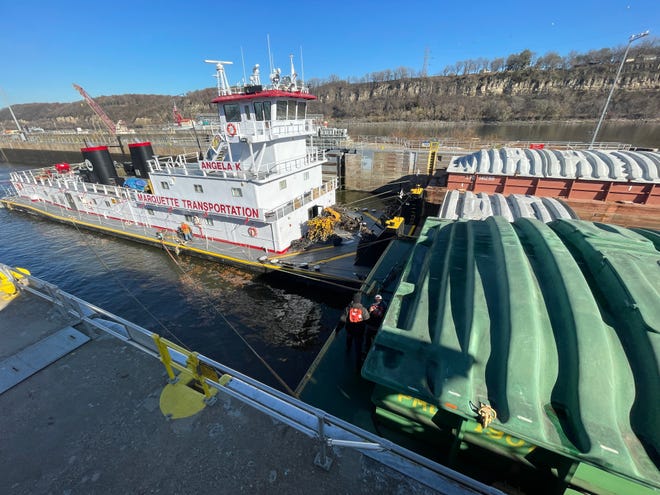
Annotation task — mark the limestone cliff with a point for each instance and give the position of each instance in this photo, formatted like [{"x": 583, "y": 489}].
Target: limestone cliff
[{"x": 521, "y": 95}]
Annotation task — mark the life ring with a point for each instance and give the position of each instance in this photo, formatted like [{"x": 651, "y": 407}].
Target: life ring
[
  {"x": 252, "y": 231},
  {"x": 231, "y": 129}
]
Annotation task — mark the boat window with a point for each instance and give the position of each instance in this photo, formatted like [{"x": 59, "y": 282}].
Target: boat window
[
  {"x": 189, "y": 218},
  {"x": 291, "y": 106},
  {"x": 302, "y": 108},
  {"x": 259, "y": 110},
  {"x": 267, "y": 114},
  {"x": 248, "y": 115},
  {"x": 150, "y": 211},
  {"x": 107, "y": 203},
  {"x": 209, "y": 221},
  {"x": 164, "y": 185},
  {"x": 281, "y": 110},
  {"x": 282, "y": 184},
  {"x": 198, "y": 188},
  {"x": 306, "y": 175},
  {"x": 237, "y": 192},
  {"x": 232, "y": 112}
]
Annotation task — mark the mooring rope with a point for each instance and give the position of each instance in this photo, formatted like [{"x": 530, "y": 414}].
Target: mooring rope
[
  {"x": 221, "y": 314},
  {"x": 126, "y": 289}
]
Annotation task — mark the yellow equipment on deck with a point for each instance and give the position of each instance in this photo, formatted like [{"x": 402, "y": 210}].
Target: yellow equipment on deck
[
  {"x": 323, "y": 226},
  {"x": 7, "y": 284}
]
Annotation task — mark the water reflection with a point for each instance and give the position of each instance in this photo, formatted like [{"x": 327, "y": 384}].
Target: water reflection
[{"x": 645, "y": 134}]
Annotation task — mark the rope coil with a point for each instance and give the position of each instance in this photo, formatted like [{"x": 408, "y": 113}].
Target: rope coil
[{"x": 485, "y": 414}]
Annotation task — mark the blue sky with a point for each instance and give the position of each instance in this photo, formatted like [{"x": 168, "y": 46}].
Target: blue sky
[{"x": 151, "y": 47}]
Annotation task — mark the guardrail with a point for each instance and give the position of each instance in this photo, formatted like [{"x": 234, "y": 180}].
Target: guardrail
[
  {"x": 312, "y": 422},
  {"x": 476, "y": 144}
]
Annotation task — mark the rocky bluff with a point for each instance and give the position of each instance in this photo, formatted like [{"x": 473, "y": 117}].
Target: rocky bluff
[{"x": 530, "y": 94}]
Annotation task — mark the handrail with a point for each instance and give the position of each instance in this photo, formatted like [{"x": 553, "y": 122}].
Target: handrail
[{"x": 312, "y": 422}]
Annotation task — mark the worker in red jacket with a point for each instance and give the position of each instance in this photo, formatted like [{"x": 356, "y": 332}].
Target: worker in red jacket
[{"x": 354, "y": 318}]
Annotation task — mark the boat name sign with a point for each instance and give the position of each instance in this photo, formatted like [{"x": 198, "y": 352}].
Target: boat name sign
[
  {"x": 231, "y": 166},
  {"x": 204, "y": 206}
]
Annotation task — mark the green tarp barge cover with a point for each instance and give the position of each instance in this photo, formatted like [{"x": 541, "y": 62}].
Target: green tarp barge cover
[{"x": 555, "y": 326}]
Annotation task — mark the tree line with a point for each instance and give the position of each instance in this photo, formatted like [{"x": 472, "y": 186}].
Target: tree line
[{"x": 646, "y": 49}]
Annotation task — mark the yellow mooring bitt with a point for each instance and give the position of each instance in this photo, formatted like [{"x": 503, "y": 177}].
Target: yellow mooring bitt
[
  {"x": 417, "y": 191},
  {"x": 395, "y": 224},
  {"x": 8, "y": 288},
  {"x": 186, "y": 393}
]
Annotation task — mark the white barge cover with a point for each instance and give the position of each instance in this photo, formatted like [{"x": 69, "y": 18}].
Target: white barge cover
[
  {"x": 603, "y": 165},
  {"x": 469, "y": 206}
]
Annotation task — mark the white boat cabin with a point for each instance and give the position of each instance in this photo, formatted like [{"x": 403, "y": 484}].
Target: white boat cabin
[{"x": 256, "y": 186}]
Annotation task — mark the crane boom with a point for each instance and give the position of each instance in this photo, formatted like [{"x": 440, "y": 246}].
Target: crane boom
[{"x": 97, "y": 110}]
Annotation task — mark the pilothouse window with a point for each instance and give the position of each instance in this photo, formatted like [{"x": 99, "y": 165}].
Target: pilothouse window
[
  {"x": 267, "y": 114},
  {"x": 302, "y": 108},
  {"x": 291, "y": 109},
  {"x": 259, "y": 110},
  {"x": 281, "y": 110},
  {"x": 232, "y": 112}
]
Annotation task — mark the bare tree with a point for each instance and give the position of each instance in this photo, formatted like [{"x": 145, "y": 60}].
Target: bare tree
[
  {"x": 519, "y": 61},
  {"x": 497, "y": 64},
  {"x": 549, "y": 61},
  {"x": 481, "y": 64}
]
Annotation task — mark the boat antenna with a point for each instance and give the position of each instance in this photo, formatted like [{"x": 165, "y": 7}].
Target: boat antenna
[
  {"x": 243, "y": 61},
  {"x": 270, "y": 55},
  {"x": 275, "y": 73},
  {"x": 293, "y": 86},
  {"x": 302, "y": 70},
  {"x": 223, "y": 85}
]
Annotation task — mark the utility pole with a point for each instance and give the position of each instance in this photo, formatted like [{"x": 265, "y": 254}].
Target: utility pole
[
  {"x": 632, "y": 38},
  {"x": 425, "y": 67}
]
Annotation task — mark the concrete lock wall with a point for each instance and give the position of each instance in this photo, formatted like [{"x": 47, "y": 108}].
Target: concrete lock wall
[{"x": 368, "y": 169}]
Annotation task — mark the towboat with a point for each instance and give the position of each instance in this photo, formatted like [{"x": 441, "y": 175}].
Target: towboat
[{"x": 257, "y": 197}]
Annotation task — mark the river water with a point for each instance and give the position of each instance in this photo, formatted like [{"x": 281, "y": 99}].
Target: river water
[
  {"x": 214, "y": 309},
  {"x": 635, "y": 133}
]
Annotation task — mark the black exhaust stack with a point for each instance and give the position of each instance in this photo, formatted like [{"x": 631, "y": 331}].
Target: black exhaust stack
[
  {"x": 100, "y": 167},
  {"x": 141, "y": 153}
]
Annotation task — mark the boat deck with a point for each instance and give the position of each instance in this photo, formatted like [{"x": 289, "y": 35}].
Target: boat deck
[
  {"x": 327, "y": 263},
  {"x": 85, "y": 417}
]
